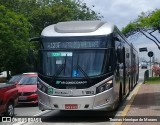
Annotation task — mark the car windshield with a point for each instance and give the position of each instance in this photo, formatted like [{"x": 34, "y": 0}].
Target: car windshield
[
  {"x": 28, "y": 80},
  {"x": 144, "y": 63},
  {"x": 14, "y": 79}
]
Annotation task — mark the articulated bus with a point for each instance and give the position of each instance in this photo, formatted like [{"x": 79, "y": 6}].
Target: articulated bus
[{"x": 85, "y": 65}]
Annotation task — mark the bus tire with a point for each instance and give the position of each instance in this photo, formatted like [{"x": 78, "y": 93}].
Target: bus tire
[
  {"x": 130, "y": 87},
  {"x": 137, "y": 77}
]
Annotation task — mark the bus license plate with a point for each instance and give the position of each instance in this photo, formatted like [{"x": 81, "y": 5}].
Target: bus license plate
[{"x": 71, "y": 106}]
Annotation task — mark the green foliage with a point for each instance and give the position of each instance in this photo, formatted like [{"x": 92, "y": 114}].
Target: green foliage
[
  {"x": 130, "y": 29},
  {"x": 22, "y": 19},
  {"x": 154, "y": 19},
  {"x": 14, "y": 30},
  {"x": 20, "y": 6},
  {"x": 42, "y": 13},
  {"x": 145, "y": 21},
  {"x": 60, "y": 10},
  {"x": 153, "y": 80}
]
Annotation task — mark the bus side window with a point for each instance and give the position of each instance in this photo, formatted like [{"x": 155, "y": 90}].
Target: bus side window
[
  {"x": 127, "y": 55},
  {"x": 120, "y": 54},
  {"x": 119, "y": 48}
]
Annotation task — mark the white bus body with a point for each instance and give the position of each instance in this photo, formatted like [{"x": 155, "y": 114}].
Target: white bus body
[{"x": 85, "y": 65}]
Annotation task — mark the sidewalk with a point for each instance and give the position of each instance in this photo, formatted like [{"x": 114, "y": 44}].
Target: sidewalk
[{"x": 146, "y": 103}]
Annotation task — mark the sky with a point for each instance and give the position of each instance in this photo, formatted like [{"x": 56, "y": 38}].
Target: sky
[{"x": 122, "y": 12}]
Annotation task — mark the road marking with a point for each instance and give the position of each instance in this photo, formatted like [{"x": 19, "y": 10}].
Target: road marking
[
  {"x": 42, "y": 113},
  {"x": 126, "y": 109},
  {"x": 124, "y": 112},
  {"x": 19, "y": 123}
]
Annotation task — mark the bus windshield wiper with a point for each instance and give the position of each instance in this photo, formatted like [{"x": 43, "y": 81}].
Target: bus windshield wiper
[
  {"x": 60, "y": 69},
  {"x": 83, "y": 72}
]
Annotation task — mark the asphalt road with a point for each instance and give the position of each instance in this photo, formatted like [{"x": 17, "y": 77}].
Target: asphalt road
[
  {"x": 68, "y": 117},
  {"x": 27, "y": 110}
]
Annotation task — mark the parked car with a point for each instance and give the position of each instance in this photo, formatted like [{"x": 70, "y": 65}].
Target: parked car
[
  {"x": 143, "y": 65},
  {"x": 8, "y": 98},
  {"x": 15, "y": 79},
  {"x": 27, "y": 88}
]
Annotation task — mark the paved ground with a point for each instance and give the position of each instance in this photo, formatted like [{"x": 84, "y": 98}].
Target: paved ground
[{"x": 146, "y": 105}]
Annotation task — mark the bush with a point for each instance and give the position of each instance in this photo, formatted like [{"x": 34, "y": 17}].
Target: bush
[{"x": 156, "y": 70}]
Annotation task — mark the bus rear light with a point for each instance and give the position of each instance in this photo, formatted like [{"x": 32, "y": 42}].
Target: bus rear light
[{"x": 104, "y": 86}]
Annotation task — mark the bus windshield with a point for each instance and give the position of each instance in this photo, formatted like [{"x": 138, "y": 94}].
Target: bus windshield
[{"x": 77, "y": 62}]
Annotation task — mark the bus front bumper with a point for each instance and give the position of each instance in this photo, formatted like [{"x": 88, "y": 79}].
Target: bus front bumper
[{"x": 102, "y": 101}]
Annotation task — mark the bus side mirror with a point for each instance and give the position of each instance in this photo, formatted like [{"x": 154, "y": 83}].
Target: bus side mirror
[
  {"x": 34, "y": 39},
  {"x": 30, "y": 53}
]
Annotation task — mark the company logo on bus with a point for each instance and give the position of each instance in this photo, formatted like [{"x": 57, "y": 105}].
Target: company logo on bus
[
  {"x": 58, "y": 82},
  {"x": 71, "y": 82}
]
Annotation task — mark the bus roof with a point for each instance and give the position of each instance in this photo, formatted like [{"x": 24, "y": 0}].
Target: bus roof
[{"x": 78, "y": 28}]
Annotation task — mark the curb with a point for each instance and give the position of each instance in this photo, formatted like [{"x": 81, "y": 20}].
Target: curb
[{"x": 128, "y": 105}]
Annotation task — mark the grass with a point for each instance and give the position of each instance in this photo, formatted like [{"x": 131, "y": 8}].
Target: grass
[{"x": 153, "y": 80}]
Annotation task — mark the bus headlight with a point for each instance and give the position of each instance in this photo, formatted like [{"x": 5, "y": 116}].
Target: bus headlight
[
  {"x": 45, "y": 89},
  {"x": 104, "y": 86},
  {"x": 42, "y": 87}
]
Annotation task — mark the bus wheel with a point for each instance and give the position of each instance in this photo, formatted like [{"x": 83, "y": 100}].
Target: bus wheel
[
  {"x": 137, "y": 79},
  {"x": 129, "y": 85}
]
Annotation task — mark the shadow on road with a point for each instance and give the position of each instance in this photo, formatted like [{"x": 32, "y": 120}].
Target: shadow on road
[
  {"x": 78, "y": 116},
  {"x": 26, "y": 105}
]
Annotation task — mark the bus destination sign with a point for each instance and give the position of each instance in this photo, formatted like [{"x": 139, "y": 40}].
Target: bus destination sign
[{"x": 75, "y": 44}]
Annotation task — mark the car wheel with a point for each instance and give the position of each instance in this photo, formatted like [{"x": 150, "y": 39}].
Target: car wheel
[{"x": 10, "y": 110}]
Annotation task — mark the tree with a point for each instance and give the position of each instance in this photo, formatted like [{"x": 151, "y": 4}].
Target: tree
[
  {"x": 14, "y": 32},
  {"x": 145, "y": 24},
  {"x": 22, "y": 19},
  {"x": 41, "y": 13},
  {"x": 60, "y": 10}
]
